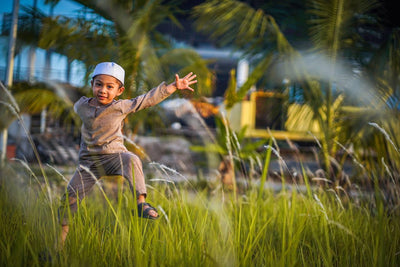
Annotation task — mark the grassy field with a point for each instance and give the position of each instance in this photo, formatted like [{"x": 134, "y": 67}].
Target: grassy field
[{"x": 198, "y": 227}]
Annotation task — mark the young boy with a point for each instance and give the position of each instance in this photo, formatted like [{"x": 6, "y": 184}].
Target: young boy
[{"x": 102, "y": 151}]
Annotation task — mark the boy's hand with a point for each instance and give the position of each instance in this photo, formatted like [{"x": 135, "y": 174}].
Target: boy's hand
[{"x": 185, "y": 82}]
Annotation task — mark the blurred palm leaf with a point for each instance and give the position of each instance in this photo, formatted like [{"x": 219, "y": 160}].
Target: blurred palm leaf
[
  {"x": 236, "y": 23},
  {"x": 301, "y": 118},
  {"x": 335, "y": 25},
  {"x": 33, "y": 98},
  {"x": 183, "y": 61},
  {"x": 231, "y": 96},
  {"x": 55, "y": 98},
  {"x": 79, "y": 39},
  {"x": 383, "y": 69}
]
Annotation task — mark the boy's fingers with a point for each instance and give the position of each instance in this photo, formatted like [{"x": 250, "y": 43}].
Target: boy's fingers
[
  {"x": 188, "y": 80},
  {"x": 188, "y": 75},
  {"x": 192, "y": 77}
]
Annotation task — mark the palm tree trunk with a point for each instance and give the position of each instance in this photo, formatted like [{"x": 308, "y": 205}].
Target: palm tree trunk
[
  {"x": 9, "y": 72},
  {"x": 32, "y": 50},
  {"x": 31, "y": 68},
  {"x": 68, "y": 71}
]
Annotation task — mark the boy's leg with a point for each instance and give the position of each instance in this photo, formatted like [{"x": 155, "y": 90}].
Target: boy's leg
[
  {"x": 80, "y": 185},
  {"x": 131, "y": 167},
  {"x": 63, "y": 236},
  {"x": 132, "y": 170}
]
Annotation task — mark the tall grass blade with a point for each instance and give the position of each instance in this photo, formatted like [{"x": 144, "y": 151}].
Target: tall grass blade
[{"x": 265, "y": 169}]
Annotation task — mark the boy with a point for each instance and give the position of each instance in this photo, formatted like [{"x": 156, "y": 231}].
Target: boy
[{"x": 102, "y": 151}]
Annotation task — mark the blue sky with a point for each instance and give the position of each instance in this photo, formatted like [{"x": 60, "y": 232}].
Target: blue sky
[{"x": 64, "y": 7}]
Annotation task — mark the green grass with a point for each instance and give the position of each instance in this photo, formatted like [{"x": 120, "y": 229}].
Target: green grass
[{"x": 196, "y": 228}]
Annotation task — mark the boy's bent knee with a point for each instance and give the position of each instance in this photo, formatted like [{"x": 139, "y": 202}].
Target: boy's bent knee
[{"x": 129, "y": 157}]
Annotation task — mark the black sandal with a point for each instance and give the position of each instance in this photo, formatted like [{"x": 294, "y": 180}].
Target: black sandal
[{"x": 143, "y": 211}]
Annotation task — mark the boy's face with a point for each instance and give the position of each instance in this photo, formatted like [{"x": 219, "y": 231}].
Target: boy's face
[{"x": 106, "y": 88}]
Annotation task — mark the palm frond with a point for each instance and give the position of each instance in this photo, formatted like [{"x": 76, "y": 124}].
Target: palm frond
[
  {"x": 182, "y": 61},
  {"x": 334, "y": 23},
  {"x": 231, "y": 96},
  {"x": 78, "y": 39},
  {"x": 301, "y": 118},
  {"x": 233, "y": 22},
  {"x": 33, "y": 101}
]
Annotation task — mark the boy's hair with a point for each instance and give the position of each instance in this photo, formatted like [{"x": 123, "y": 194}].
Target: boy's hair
[{"x": 110, "y": 68}]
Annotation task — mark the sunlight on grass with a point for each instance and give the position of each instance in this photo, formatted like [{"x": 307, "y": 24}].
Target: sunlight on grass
[{"x": 196, "y": 228}]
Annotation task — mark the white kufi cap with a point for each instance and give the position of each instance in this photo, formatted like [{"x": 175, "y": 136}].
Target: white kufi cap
[{"x": 110, "y": 68}]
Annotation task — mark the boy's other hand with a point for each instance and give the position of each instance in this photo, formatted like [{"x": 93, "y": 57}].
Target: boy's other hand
[{"x": 185, "y": 82}]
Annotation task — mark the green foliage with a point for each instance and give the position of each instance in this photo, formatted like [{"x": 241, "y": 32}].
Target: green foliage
[
  {"x": 339, "y": 31},
  {"x": 231, "y": 96},
  {"x": 238, "y": 24},
  {"x": 232, "y": 145},
  {"x": 335, "y": 25},
  {"x": 79, "y": 39},
  {"x": 33, "y": 98},
  {"x": 183, "y": 61}
]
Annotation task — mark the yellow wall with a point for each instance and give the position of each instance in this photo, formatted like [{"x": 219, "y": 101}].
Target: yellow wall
[{"x": 301, "y": 124}]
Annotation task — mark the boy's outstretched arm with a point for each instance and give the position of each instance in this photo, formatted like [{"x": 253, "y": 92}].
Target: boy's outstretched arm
[{"x": 182, "y": 83}]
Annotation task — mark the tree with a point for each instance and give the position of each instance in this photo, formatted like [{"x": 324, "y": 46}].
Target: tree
[{"x": 336, "y": 32}]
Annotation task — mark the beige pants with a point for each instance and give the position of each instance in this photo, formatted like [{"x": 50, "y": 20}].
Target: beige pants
[{"x": 93, "y": 167}]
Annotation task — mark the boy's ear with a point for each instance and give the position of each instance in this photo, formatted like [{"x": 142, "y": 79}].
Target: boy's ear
[{"x": 120, "y": 90}]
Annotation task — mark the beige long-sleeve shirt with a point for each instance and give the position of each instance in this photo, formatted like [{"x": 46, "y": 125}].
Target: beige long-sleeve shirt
[{"x": 102, "y": 125}]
